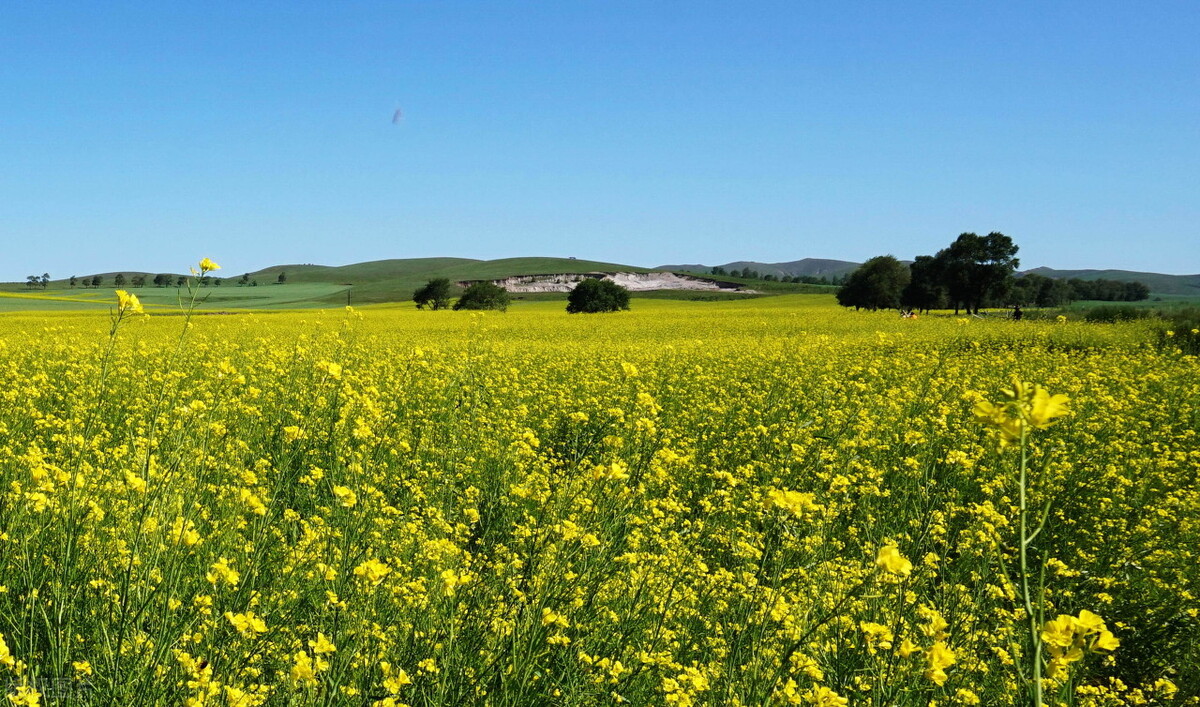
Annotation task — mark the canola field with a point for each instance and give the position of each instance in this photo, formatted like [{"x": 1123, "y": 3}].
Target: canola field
[{"x": 767, "y": 502}]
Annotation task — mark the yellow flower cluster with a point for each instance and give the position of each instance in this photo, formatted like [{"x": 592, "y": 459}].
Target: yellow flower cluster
[
  {"x": 1024, "y": 406},
  {"x": 1068, "y": 637},
  {"x": 128, "y": 303}
]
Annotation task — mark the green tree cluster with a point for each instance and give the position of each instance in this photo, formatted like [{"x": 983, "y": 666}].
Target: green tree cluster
[{"x": 971, "y": 272}]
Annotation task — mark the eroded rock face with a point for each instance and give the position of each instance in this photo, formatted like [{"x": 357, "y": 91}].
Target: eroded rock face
[{"x": 634, "y": 282}]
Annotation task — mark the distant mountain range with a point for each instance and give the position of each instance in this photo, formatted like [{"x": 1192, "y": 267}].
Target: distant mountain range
[
  {"x": 815, "y": 267},
  {"x": 1159, "y": 284}
]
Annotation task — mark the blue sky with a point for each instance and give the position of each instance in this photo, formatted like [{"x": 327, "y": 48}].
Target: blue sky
[{"x": 145, "y": 135}]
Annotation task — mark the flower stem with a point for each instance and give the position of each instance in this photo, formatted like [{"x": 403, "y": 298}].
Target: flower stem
[{"x": 1034, "y": 635}]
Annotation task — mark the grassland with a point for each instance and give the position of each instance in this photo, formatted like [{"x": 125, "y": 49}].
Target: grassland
[{"x": 773, "y": 501}]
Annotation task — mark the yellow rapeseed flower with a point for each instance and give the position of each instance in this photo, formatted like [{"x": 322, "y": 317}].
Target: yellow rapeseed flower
[
  {"x": 345, "y": 496},
  {"x": 322, "y": 645},
  {"x": 207, "y": 265},
  {"x": 793, "y": 502},
  {"x": 822, "y": 696},
  {"x": 26, "y": 696},
  {"x": 1024, "y": 406},
  {"x": 372, "y": 571},
  {"x": 940, "y": 657},
  {"x": 6, "y": 658},
  {"x": 128, "y": 303},
  {"x": 891, "y": 561},
  {"x": 221, "y": 572},
  {"x": 247, "y": 624}
]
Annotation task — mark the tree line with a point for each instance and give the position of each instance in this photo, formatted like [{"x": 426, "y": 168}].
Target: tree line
[
  {"x": 160, "y": 280},
  {"x": 748, "y": 274},
  {"x": 971, "y": 273}
]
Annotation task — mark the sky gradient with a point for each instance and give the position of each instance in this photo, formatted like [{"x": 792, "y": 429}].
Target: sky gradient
[{"x": 146, "y": 135}]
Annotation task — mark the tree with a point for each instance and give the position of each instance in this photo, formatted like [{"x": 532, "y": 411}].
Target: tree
[
  {"x": 119, "y": 280},
  {"x": 594, "y": 295},
  {"x": 435, "y": 294},
  {"x": 74, "y": 281},
  {"x": 162, "y": 280},
  {"x": 45, "y": 280},
  {"x": 483, "y": 295},
  {"x": 138, "y": 280},
  {"x": 181, "y": 281},
  {"x": 97, "y": 280},
  {"x": 876, "y": 284},
  {"x": 32, "y": 281},
  {"x": 924, "y": 290},
  {"x": 282, "y": 277},
  {"x": 975, "y": 268},
  {"x": 245, "y": 280}
]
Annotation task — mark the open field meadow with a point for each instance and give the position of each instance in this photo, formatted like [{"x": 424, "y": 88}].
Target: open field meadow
[{"x": 765, "y": 502}]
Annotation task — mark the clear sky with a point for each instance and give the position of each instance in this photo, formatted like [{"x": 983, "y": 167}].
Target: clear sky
[{"x": 145, "y": 135}]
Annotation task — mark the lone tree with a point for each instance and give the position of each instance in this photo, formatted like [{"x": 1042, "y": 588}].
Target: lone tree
[
  {"x": 483, "y": 295},
  {"x": 597, "y": 295},
  {"x": 282, "y": 277},
  {"x": 435, "y": 294},
  {"x": 876, "y": 284}
]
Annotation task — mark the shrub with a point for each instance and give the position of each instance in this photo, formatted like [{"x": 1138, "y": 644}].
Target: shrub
[
  {"x": 597, "y": 295},
  {"x": 483, "y": 295}
]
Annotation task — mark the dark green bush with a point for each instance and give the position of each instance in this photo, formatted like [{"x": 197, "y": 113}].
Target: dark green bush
[
  {"x": 596, "y": 295},
  {"x": 483, "y": 295}
]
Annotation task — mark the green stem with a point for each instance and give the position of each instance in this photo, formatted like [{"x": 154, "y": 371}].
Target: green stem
[{"x": 1034, "y": 634}]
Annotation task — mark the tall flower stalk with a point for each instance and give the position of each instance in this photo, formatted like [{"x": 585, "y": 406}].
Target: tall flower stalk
[{"x": 1025, "y": 407}]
